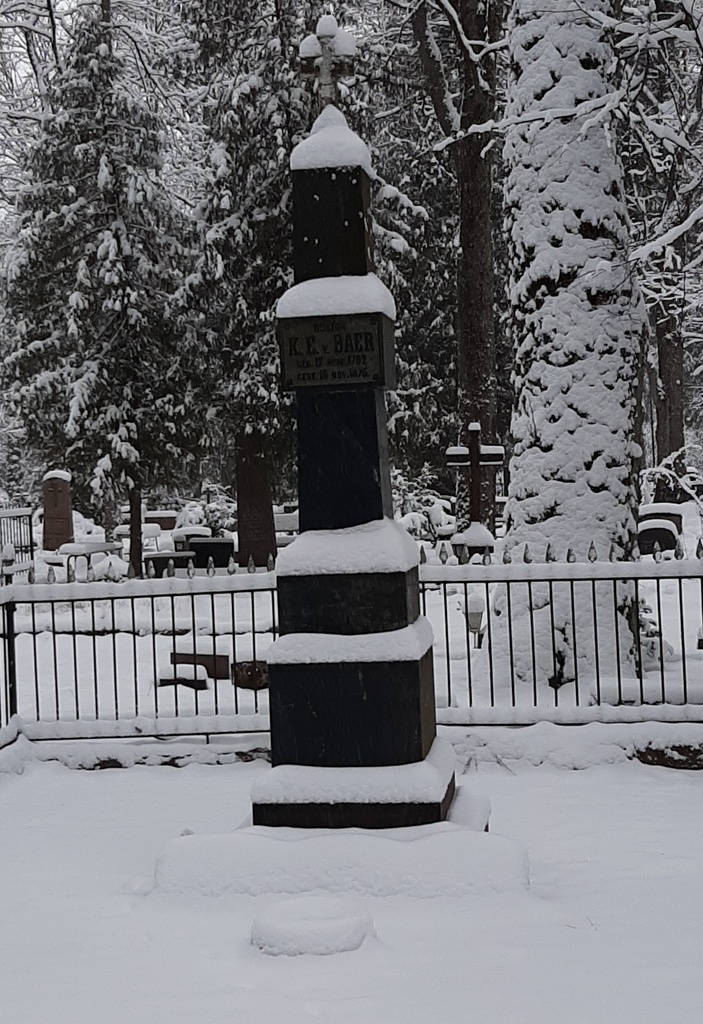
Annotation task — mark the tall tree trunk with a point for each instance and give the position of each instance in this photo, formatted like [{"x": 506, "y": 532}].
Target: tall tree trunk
[
  {"x": 579, "y": 324},
  {"x": 669, "y": 403},
  {"x": 578, "y": 318},
  {"x": 480, "y": 22},
  {"x": 135, "y": 532}
]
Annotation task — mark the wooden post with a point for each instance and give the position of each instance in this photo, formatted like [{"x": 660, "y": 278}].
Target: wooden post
[{"x": 475, "y": 471}]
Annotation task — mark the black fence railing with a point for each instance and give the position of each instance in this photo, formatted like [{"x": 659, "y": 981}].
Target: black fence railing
[
  {"x": 567, "y": 642},
  {"x": 513, "y": 643},
  {"x": 16, "y": 543}
]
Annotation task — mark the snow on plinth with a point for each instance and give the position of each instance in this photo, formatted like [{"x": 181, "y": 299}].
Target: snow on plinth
[
  {"x": 318, "y": 925},
  {"x": 337, "y": 296},
  {"x": 58, "y": 474},
  {"x": 380, "y": 546},
  {"x": 442, "y": 859},
  {"x": 407, "y": 644},
  {"x": 476, "y": 535},
  {"x": 331, "y": 143},
  {"x": 469, "y": 810},
  {"x": 420, "y": 782}
]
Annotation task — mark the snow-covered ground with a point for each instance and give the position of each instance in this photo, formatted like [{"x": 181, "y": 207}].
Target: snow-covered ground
[{"x": 609, "y": 930}]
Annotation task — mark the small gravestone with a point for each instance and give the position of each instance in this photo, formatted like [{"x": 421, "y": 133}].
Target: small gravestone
[
  {"x": 58, "y": 511},
  {"x": 255, "y": 526}
]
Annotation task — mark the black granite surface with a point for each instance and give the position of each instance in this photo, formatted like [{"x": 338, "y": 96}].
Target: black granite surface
[{"x": 352, "y": 714}]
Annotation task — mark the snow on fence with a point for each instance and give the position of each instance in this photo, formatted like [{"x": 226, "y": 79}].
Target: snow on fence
[
  {"x": 16, "y": 543},
  {"x": 514, "y": 643}
]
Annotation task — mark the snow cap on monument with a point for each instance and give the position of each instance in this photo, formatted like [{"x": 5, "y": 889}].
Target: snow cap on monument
[{"x": 331, "y": 143}]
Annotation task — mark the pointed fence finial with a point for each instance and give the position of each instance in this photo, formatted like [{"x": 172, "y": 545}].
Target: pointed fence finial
[
  {"x": 593, "y": 552},
  {"x": 70, "y": 573},
  {"x": 51, "y": 575},
  {"x": 443, "y": 554},
  {"x": 423, "y": 555},
  {"x": 487, "y": 556},
  {"x": 190, "y": 569},
  {"x": 656, "y": 551},
  {"x": 170, "y": 568},
  {"x": 31, "y": 576},
  {"x": 679, "y": 552},
  {"x": 526, "y": 556},
  {"x": 251, "y": 567},
  {"x": 131, "y": 571},
  {"x": 549, "y": 555},
  {"x": 210, "y": 570},
  {"x": 150, "y": 570},
  {"x": 570, "y": 555},
  {"x": 270, "y": 563},
  {"x": 636, "y": 553},
  {"x": 231, "y": 566},
  {"x": 612, "y": 554},
  {"x": 699, "y": 548},
  {"x": 463, "y": 554},
  {"x": 507, "y": 556}
]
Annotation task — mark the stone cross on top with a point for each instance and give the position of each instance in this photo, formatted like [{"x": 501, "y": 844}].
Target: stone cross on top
[{"x": 327, "y": 54}]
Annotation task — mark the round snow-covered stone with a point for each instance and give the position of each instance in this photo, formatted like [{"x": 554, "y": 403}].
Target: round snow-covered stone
[
  {"x": 319, "y": 925},
  {"x": 475, "y": 535}
]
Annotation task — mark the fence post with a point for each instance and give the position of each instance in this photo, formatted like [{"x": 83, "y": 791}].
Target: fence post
[{"x": 11, "y": 658}]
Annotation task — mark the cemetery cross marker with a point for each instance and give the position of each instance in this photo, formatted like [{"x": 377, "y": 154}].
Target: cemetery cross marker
[
  {"x": 353, "y": 734},
  {"x": 473, "y": 459}
]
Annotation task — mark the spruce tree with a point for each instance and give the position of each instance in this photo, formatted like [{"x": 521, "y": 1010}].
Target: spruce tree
[
  {"x": 578, "y": 318},
  {"x": 257, "y": 110},
  {"x": 100, "y": 366}
]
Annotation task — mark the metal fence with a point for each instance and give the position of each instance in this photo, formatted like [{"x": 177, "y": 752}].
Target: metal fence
[
  {"x": 16, "y": 542},
  {"x": 513, "y": 643}
]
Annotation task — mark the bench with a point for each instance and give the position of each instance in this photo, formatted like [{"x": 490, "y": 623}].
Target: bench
[
  {"x": 216, "y": 665},
  {"x": 193, "y": 676},
  {"x": 68, "y": 554}
]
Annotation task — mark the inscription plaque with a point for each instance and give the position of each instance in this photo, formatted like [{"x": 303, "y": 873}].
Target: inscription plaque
[{"x": 336, "y": 351}]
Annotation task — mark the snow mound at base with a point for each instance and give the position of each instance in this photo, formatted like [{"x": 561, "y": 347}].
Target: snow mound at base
[
  {"x": 444, "y": 859},
  {"x": 311, "y": 924},
  {"x": 469, "y": 810}
]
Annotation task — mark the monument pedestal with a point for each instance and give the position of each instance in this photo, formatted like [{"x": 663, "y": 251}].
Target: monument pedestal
[
  {"x": 395, "y": 796},
  {"x": 351, "y": 688}
]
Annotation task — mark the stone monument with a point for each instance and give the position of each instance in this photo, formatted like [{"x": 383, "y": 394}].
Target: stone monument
[
  {"x": 255, "y": 524},
  {"x": 353, "y": 734},
  {"x": 58, "y": 511}
]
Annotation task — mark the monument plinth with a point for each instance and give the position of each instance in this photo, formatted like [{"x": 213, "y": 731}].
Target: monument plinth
[{"x": 351, "y": 688}]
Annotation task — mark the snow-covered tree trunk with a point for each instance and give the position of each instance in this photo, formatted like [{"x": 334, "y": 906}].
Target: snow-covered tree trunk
[
  {"x": 578, "y": 322},
  {"x": 578, "y": 319}
]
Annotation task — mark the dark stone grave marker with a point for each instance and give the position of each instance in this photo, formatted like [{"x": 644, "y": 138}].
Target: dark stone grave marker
[
  {"x": 58, "y": 509},
  {"x": 351, "y": 676},
  {"x": 255, "y": 526}
]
